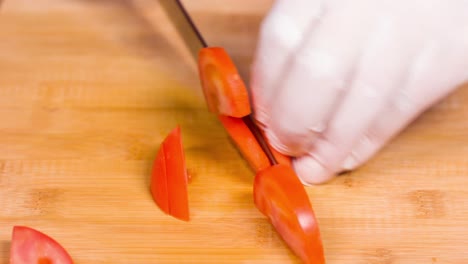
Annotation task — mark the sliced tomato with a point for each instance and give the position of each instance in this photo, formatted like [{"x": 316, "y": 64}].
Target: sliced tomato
[
  {"x": 159, "y": 181},
  {"x": 278, "y": 193},
  {"x": 248, "y": 146},
  {"x": 280, "y": 196},
  {"x": 30, "y": 246},
  {"x": 224, "y": 90},
  {"x": 245, "y": 142},
  {"x": 169, "y": 177}
]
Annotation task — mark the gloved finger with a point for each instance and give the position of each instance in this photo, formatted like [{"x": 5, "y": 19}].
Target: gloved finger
[
  {"x": 280, "y": 34},
  {"x": 437, "y": 72},
  {"x": 316, "y": 80},
  {"x": 380, "y": 72}
]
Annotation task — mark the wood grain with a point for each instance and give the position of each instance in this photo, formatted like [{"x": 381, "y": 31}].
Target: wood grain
[{"x": 88, "y": 90}]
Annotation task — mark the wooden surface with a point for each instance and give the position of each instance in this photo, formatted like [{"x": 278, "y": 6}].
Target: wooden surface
[{"x": 88, "y": 89}]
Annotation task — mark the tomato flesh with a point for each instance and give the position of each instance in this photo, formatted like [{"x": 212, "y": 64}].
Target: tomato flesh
[
  {"x": 30, "y": 246},
  {"x": 248, "y": 146},
  {"x": 169, "y": 178},
  {"x": 280, "y": 196},
  {"x": 224, "y": 90}
]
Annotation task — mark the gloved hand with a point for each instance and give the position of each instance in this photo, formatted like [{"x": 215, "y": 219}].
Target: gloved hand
[{"x": 334, "y": 80}]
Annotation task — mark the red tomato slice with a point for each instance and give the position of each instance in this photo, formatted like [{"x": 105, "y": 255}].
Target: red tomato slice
[
  {"x": 159, "y": 181},
  {"x": 169, "y": 177},
  {"x": 224, "y": 90},
  {"x": 245, "y": 142},
  {"x": 280, "y": 196},
  {"x": 29, "y": 246},
  {"x": 248, "y": 146}
]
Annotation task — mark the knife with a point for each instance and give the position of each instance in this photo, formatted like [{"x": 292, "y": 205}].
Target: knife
[{"x": 195, "y": 42}]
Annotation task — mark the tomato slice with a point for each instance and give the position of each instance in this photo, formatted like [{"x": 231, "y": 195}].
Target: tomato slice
[
  {"x": 169, "y": 177},
  {"x": 280, "y": 196},
  {"x": 30, "y": 246},
  {"x": 159, "y": 181},
  {"x": 245, "y": 142},
  {"x": 224, "y": 90},
  {"x": 278, "y": 193},
  {"x": 248, "y": 146}
]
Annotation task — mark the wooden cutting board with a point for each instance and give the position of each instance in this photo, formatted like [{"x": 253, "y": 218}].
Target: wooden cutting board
[{"x": 88, "y": 90}]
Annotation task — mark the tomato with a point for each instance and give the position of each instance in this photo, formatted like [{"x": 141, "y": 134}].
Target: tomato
[
  {"x": 158, "y": 184},
  {"x": 169, "y": 178},
  {"x": 280, "y": 196},
  {"x": 29, "y": 246},
  {"x": 248, "y": 146},
  {"x": 224, "y": 90},
  {"x": 278, "y": 193}
]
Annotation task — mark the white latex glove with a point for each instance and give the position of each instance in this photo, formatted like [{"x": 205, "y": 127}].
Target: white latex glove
[{"x": 335, "y": 80}]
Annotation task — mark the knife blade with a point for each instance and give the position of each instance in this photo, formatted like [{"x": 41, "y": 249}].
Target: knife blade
[
  {"x": 194, "y": 41},
  {"x": 185, "y": 26}
]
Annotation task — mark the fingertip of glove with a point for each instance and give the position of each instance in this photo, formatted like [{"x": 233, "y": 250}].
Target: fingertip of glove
[
  {"x": 310, "y": 171},
  {"x": 285, "y": 137},
  {"x": 261, "y": 117},
  {"x": 350, "y": 163},
  {"x": 277, "y": 143}
]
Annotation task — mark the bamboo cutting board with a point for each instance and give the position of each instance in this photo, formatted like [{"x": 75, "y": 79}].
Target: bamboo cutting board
[{"x": 88, "y": 90}]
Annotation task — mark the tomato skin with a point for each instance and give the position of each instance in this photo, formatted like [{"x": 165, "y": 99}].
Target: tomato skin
[
  {"x": 225, "y": 91},
  {"x": 30, "y": 246},
  {"x": 280, "y": 196},
  {"x": 169, "y": 177},
  {"x": 248, "y": 146}
]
